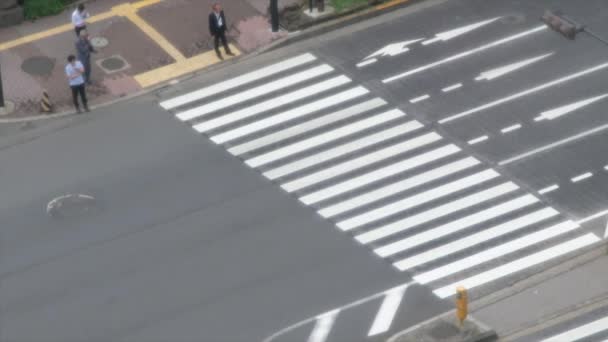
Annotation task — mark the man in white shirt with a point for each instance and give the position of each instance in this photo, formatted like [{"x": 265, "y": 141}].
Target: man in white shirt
[
  {"x": 78, "y": 19},
  {"x": 74, "y": 71}
]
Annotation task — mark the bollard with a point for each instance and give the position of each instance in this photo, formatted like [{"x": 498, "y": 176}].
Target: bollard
[
  {"x": 45, "y": 104},
  {"x": 462, "y": 304}
]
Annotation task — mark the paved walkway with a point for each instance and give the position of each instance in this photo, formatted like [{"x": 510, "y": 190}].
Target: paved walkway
[{"x": 148, "y": 42}]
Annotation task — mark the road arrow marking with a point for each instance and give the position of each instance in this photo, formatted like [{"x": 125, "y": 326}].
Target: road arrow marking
[
  {"x": 563, "y": 110},
  {"x": 447, "y": 35},
  {"x": 494, "y": 73},
  {"x": 389, "y": 50}
]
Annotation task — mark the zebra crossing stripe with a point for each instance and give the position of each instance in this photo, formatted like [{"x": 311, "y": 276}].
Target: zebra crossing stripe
[
  {"x": 324, "y": 138},
  {"x": 273, "y": 103},
  {"x": 456, "y": 226},
  {"x": 435, "y": 213},
  {"x": 338, "y": 151},
  {"x": 254, "y": 92},
  {"x": 367, "y": 159},
  {"x": 580, "y": 332},
  {"x": 306, "y": 126},
  {"x": 238, "y": 81},
  {"x": 518, "y": 265},
  {"x": 398, "y": 187},
  {"x": 417, "y": 200},
  {"x": 496, "y": 252},
  {"x": 476, "y": 239},
  {"x": 386, "y": 313}
]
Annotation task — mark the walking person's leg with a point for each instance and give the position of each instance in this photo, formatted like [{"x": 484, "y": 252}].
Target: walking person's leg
[
  {"x": 75, "y": 97},
  {"x": 216, "y": 44},
  {"x": 83, "y": 96},
  {"x": 87, "y": 70},
  {"x": 225, "y": 43}
]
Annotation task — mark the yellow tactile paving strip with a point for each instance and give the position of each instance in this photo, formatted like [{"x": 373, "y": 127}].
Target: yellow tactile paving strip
[
  {"x": 390, "y": 4},
  {"x": 181, "y": 68}
]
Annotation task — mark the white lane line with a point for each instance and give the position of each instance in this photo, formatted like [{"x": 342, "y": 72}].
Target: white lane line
[
  {"x": 518, "y": 265},
  {"x": 306, "y": 126},
  {"x": 325, "y": 138},
  {"x": 323, "y": 326},
  {"x": 238, "y": 81},
  {"x": 394, "y": 49},
  {"x": 359, "y": 162},
  {"x": 398, "y": 187},
  {"x": 581, "y": 177},
  {"x": 581, "y": 331},
  {"x": 420, "y": 98},
  {"x": 477, "y": 140},
  {"x": 291, "y": 114},
  {"x": 453, "y": 33},
  {"x": 606, "y": 167},
  {"x": 510, "y": 128},
  {"x": 554, "y": 145},
  {"x": 386, "y": 313},
  {"x": 452, "y": 87},
  {"x": 417, "y": 200},
  {"x": 503, "y": 70},
  {"x": 338, "y": 151},
  {"x": 566, "y": 109},
  {"x": 465, "y": 54},
  {"x": 375, "y": 175},
  {"x": 523, "y": 93},
  {"x": 435, "y": 213},
  {"x": 254, "y": 92},
  {"x": 456, "y": 226},
  {"x": 548, "y": 189},
  {"x": 476, "y": 239},
  {"x": 273, "y": 103},
  {"x": 366, "y": 62}
]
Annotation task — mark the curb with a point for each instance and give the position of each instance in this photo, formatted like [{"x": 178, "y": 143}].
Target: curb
[{"x": 488, "y": 334}]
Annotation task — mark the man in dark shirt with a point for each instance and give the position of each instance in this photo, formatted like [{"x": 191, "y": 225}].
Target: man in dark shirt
[
  {"x": 83, "y": 51},
  {"x": 217, "y": 28}
]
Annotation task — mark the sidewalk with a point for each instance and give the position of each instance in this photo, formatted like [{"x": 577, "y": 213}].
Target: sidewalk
[
  {"x": 537, "y": 308},
  {"x": 142, "y": 43}
]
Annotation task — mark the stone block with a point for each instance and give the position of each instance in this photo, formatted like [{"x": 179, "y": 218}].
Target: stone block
[{"x": 10, "y": 17}]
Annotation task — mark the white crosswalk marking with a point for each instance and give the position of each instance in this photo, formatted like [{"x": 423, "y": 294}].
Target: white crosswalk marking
[
  {"x": 455, "y": 226},
  {"x": 255, "y": 92},
  {"x": 271, "y": 104},
  {"x": 377, "y": 175},
  {"x": 435, "y": 213},
  {"x": 238, "y": 81},
  {"x": 416, "y": 200},
  {"x": 580, "y": 332},
  {"x": 324, "y": 138},
  {"x": 412, "y": 195},
  {"x": 323, "y": 326},
  {"x": 307, "y": 126},
  {"x": 519, "y": 264}
]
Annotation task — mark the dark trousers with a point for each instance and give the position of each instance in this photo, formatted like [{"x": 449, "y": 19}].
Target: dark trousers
[
  {"x": 86, "y": 63},
  {"x": 77, "y": 29},
  {"x": 221, "y": 35},
  {"x": 79, "y": 90}
]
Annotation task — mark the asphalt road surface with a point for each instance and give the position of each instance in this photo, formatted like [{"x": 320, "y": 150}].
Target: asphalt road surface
[{"x": 450, "y": 143}]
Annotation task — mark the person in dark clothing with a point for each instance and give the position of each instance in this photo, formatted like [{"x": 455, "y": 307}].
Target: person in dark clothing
[
  {"x": 217, "y": 28},
  {"x": 83, "y": 51},
  {"x": 74, "y": 71}
]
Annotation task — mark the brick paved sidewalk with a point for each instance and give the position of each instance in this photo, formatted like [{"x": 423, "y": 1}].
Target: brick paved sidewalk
[{"x": 149, "y": 42}]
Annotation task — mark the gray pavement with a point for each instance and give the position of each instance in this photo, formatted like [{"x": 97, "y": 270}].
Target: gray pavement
[{"x": 215, "y": 235}]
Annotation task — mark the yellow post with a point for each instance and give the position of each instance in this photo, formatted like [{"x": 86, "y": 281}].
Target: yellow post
[{"x": 462, "y": 304}]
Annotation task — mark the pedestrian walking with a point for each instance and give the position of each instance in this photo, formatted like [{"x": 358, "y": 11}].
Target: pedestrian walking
[
  {"x": 83, "y": 51},
  {"x": 79, "y": 19},
  {"x": 217, "y": 28},
  {"x": 74, "y": 70}
]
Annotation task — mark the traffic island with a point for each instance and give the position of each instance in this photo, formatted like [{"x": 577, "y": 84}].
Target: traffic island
[{"x": 447, "y": 328}]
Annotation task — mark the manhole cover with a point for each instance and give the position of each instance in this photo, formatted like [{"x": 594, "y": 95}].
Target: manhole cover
[
  {"x": 113, "y": 64},
  {"x": 72, "y": 206},
  {"x": 38, "y": 66},
  {"x": 99, "y": 42}
]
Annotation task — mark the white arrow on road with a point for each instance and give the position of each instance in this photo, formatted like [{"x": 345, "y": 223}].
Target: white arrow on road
[
  {"x": 447, "y": 35},
  {"x": 563, "y": 110},
  {"x": 389, "y": 50},
  {"x": 500, "y": 71}
]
